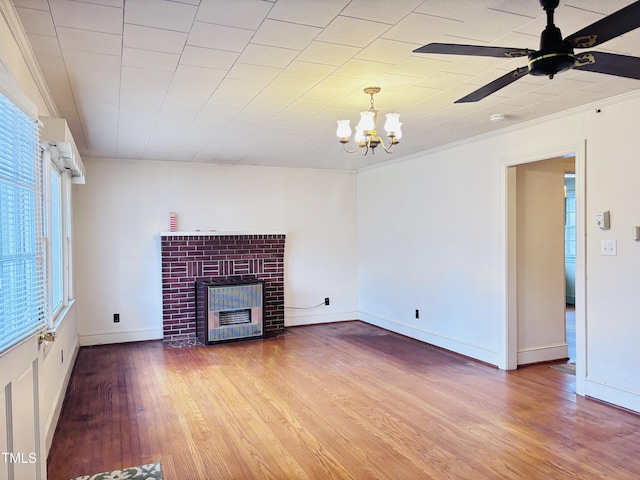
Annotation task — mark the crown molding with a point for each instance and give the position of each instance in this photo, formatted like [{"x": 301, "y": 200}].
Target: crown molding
[
  {"x": 624, "y": 97},
  {"x": 12, "y": 20}
]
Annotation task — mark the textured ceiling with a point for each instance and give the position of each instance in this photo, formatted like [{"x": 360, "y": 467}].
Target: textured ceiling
[{"x": 263, "y": 82}]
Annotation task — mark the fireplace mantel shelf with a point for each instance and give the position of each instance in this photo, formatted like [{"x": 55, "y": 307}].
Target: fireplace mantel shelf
[{"x": 218, "y": 233}]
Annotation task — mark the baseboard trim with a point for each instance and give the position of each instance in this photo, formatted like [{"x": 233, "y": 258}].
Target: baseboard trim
[
  {"x": 454, "y": 345},
  {"x": 617, "y": 395},
  {"x": 120, "y": 337},
  {"x": 543, "y": 353}
]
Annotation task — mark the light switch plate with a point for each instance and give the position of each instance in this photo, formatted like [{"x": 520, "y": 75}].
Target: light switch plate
[{"x": 609, "y": 248}]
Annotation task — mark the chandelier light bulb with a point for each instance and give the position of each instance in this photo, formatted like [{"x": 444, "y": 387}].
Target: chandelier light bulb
[
  {"x": 344, "y": 129},
  {"x": 392, "y": 125},
  {"x": 366, "y": 121}
]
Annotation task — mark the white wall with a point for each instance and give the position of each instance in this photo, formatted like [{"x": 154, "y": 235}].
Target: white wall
[
  {"x": 429, "y": 239},
  {"x": 125, "y": 205},
  {"x": 431, "y": 236},
  {"x": 612, "y": 300},
  {"x": 58, "y": 360}
]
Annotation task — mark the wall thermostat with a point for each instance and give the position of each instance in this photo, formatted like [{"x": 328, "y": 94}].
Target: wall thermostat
[{"x": 603, "y": 220}]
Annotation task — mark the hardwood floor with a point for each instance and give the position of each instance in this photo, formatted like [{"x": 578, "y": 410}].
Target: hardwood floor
[{"x": 343, "y": 401}]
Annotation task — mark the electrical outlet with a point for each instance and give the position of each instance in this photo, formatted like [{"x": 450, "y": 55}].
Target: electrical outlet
[
  {"x": 116, "y": 318},
  {"x": 326, "y": 300},
  {"x": 417, "y": 313}
]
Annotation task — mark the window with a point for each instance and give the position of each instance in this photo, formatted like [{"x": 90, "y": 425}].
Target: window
[
  {"x": 22, "y": 256},
  {"x": 58, "y": 199},
  {"x": 57, "y": 241},
  {"x": 570, "y": 218}
]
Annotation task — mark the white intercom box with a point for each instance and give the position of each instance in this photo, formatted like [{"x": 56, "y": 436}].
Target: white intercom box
[{"x": 603, "y": 220}]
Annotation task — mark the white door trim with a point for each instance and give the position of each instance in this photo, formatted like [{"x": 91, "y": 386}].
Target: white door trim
[{"x": 509, "y": 337}]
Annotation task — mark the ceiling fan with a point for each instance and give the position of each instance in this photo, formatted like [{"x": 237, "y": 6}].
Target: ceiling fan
[{"x": 556, "y": 54}]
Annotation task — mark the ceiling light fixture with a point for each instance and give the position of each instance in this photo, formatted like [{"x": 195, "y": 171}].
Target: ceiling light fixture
[{"x": 366, "y": 134}]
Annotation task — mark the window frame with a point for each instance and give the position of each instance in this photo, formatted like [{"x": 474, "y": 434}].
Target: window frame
[{"x": 53, "y": 163}]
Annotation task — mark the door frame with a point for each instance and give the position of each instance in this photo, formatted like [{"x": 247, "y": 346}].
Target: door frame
[{"x": 509, "y": 336}]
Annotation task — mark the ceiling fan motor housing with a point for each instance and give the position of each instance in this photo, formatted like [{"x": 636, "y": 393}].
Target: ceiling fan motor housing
[{"x": 554, "y": 56}]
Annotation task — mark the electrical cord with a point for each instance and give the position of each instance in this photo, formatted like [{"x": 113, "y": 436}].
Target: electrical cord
[{"x": 305, "y": 308}]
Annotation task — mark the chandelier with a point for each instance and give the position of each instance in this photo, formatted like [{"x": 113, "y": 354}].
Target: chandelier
[{"x": 366, "y": 135}]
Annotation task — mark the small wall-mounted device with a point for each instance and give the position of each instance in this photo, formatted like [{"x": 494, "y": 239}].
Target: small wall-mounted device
[
  {"x": 636, "y": 234},
  {"x": 603, "y": 220}
]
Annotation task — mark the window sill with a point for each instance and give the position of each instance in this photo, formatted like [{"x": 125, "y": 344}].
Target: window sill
[{"x": 61, "y": 315}]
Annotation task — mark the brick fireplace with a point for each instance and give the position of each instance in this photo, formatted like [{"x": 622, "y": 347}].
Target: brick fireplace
[{"x": 188, "y": 257}]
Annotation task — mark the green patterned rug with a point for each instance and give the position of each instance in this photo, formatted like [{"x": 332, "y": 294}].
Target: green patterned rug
[{"x": 153, "y": 471}]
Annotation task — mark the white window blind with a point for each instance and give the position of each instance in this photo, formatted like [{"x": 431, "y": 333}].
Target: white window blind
[{"x": 22, "y": 242}]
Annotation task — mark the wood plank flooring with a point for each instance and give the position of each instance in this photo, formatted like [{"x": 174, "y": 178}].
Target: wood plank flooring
[{"x": 336, "y": 401}]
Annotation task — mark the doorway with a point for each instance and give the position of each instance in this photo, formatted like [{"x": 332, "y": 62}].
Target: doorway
[
  {"x": 547, "y": 343},
  {"x": 540, "y": 260}
]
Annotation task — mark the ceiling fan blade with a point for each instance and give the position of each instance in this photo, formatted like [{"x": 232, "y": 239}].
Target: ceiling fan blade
[
  {"x": 476, "y": 50},
  {"x": 609, "y": 63},
  {"x": 494, "y": 86},
  {"x": 611, "y": 26}
]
